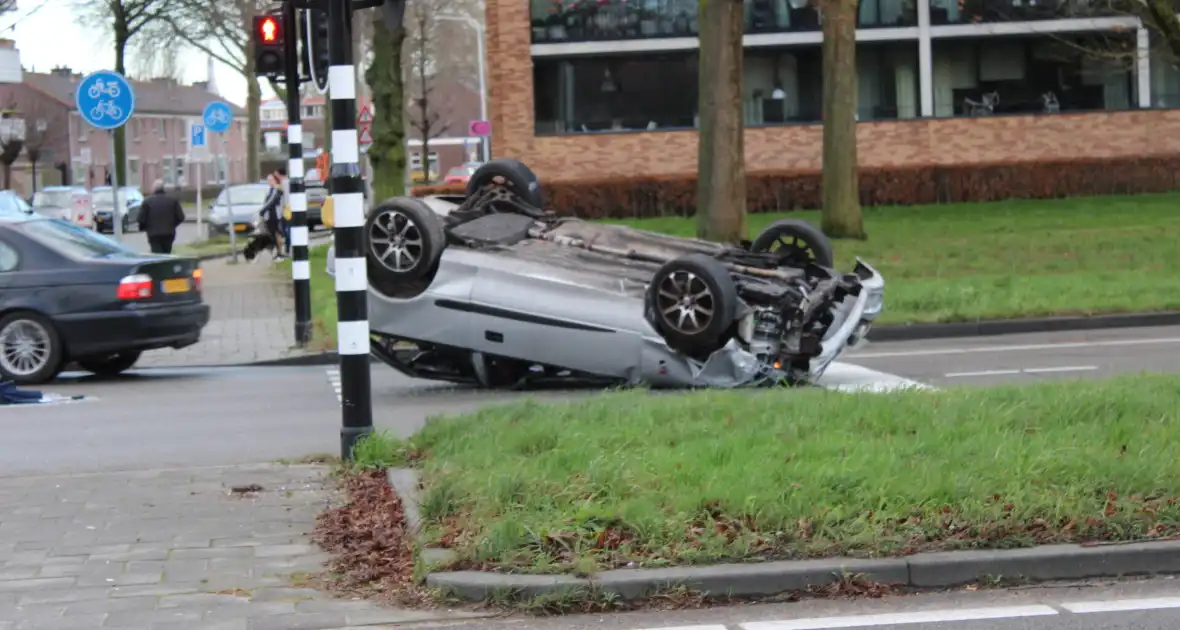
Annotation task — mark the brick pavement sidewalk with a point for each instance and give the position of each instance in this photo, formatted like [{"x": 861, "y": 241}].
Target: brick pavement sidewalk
[
  {"x": 170, "y": 550},
  {"x": 252, "y": 318}
]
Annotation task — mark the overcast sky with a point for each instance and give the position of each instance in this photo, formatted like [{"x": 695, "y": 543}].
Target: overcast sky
[{"x": 47, "y": 35}]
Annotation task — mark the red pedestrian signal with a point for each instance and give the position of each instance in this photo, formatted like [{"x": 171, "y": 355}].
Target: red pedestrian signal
[{"x": 268, "y": 28}]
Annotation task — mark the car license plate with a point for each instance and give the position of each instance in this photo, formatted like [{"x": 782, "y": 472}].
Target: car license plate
[
  {"x": 239, "y": 228},
  {"x": 176, "y": 285}
]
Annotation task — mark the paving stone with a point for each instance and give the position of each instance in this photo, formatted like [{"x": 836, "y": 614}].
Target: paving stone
[
  {"x": 148, "y": 617},
  {"x": 73, "y": 622},
  {"x": 35, "y": 584},
  {"x": 126, "y": 604},
  {"x": 308, "y": 621}
]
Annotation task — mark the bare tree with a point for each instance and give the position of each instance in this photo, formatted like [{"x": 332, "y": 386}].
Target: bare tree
[
  {"x": 222, "y": 30},
  {"x": 45, "y": 129},
  {"x": 12, "y": 140},
  {"x": 842, "y": 216},
  {"x": 155, "y": 55},
  {"x": 721, "y": 170},
  {"x": 426, "y": 115},
  {"x": 123, "y": 21}
]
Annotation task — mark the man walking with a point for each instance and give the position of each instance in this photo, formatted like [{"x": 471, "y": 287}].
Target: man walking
[{"x": 159, "y": 216}]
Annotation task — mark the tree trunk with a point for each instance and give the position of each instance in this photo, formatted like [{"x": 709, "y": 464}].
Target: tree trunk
[
  {"x": 384, "y": 76},
  {"x": 721, "y": 172},
  {"x": 841, "y": 188},
  {"x": 253, "y": 126},
  {"x": 120, "y": 135}
]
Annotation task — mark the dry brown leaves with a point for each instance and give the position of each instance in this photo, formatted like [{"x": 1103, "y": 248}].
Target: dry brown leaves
[{"x": 370, "y": 546}]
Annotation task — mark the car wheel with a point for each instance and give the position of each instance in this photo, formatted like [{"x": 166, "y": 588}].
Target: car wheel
[
  {"x": 510, "y": 175},
  {"x": 406, "y": 241},
  {"x": 110, "y": 365},
  {"x": 30, "y": 349},
  {"x": 797, "y": 243},
  {"x": 692, "y": 301}
]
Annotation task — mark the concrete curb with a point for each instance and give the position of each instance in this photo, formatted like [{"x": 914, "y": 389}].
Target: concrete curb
[
  {"x": 915, "y": 332},
  {"x": 931, "y": 570},
  {"x": 925, "y": 570}
]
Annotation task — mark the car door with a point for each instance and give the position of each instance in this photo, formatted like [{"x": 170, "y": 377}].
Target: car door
[{"x": 9, "y": 261}]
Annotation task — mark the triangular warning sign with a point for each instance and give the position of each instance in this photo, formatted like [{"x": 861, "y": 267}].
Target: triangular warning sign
[
  {"x": 366, "y": 116},
  {"x": 366, "y": 137}
]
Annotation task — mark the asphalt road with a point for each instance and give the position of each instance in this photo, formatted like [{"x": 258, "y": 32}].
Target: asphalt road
[
  {"x": 1027, "y": 357},
  {"x": 1094, "y": 605}
]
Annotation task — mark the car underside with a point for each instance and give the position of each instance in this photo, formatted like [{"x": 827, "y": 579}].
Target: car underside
[{"x": 492, "y": 291}]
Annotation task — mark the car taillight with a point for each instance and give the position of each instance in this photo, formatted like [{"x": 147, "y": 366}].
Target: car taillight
[
  {"x": 136, "y": 287},
  {"x": 198, "y": 274}
]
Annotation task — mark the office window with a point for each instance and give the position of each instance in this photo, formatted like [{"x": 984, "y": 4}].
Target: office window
[
  {"x": 1026, "y": 75},
  {"x": 586, "y": 94}
]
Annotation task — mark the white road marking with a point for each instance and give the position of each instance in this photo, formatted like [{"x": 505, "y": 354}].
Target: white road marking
[
  {"x": 1043, "y": 370},
  {"x": 1122, "y": 605},
  {"x": 1065, "y": 345},
  {"x": 894, "y": 619},
  {"x": 846, "y": 377},
  {"x": 334, "y": 379}
]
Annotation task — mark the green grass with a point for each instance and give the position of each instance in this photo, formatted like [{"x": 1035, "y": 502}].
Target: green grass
[
  {"x": 216, "y": 245},
  {"x": 740, "y": 475},
  {"x": 1017, "y": 258},
  {"x": 323, "y": 297}
]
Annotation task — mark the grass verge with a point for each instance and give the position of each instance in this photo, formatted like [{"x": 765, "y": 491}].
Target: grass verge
[
  {"x": 1010, "y": 259},
  {"x": 215, "y": 245},
  {"x": 323, "y": 297},
  {"x": 739, "y": 476}
]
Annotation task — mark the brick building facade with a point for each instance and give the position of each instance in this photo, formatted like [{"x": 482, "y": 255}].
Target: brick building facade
[{"x": 943, "y": 82}]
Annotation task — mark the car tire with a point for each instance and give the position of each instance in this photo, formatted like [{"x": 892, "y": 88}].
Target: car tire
[
  {"x": 712, "y": 307},
  {"x": 510, "y": 174},
  {"x": 110, "y": 365},
  {"x": 423, "y": 239},
  {"x": 46, "y": 347},
  {"x": 804, "y": 243}
]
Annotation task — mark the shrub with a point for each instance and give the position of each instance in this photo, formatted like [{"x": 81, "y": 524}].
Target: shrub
[{"x": 655, "y": 196}]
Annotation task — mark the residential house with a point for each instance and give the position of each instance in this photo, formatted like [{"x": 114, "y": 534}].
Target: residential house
[
  {"x": 157, "y": 135},
  {"x": 609, "y": 88}
]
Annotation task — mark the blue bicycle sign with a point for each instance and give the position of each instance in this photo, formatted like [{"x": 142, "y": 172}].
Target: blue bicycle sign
[
  {"x": 105, "y": 99},
  {"x": 218, "y": 116}
]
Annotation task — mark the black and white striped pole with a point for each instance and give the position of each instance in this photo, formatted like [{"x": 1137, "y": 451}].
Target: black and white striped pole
[
  {"x": 347, "y": 190},
  {"x": 300, "y": 268}
]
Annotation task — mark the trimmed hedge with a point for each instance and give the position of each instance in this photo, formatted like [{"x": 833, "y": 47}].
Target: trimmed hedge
[{"x": 768, "y": 191}]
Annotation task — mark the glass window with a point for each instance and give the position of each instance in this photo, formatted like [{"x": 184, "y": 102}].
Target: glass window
[
  {"x": 634, "y": 93},
  {"x": 783, "y": 85},
  {"x": 1028, "y": 75},
  {"x": 52, "y": 199},
  {"x": 248, "y": 195},
  {"x": 73, "y": 241},
  {"x": 975, "y": 11},
  {"x": 9, "y": 259},
  {"x": 103, "y": 198}
]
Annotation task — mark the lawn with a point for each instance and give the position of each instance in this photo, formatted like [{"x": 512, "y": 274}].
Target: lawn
[
  {"x": 214, "y": 245},
  {"x": 732, "y": 476},
  {"x": 323, "y": 297},
  {"x": 1017, "y": 258}
]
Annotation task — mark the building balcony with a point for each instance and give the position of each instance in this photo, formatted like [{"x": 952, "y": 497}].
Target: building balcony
[{"x": 943, "y": 12}]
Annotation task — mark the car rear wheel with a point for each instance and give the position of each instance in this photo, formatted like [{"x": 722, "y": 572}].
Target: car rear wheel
[
  {"x": 798, "y": 243},
  {"x": 692, "y": 301},
  {"x": 30, "y": 349},
  {"x": 109, "y": 365},
  {"x": 406, "y": 241},
  {"x": 510, "y": 176}
]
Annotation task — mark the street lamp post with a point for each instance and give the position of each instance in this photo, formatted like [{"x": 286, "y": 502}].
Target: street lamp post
[{"x": 481, "y": 68}]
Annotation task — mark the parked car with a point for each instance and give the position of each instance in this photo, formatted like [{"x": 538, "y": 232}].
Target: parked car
[
  {"x": 130, "y": 200},
  {"x": 494, "y": 291},
  {"x": 68, "y": 203},
  {"x": 460, "y": 174},
  {"x": 73, "y": 296},
  {"x": 247, "y": 201},
  {"x": 12, "y": 204}
]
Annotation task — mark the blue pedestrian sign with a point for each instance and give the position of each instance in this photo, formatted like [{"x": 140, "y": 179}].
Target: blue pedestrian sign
[
  {"x": 105, "y": 99},
  {"x": 218, "y": 116},
  {"x": 196, "y": 137}
]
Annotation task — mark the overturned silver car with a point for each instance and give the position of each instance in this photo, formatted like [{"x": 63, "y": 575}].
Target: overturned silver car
[{"x": 490, "y": 290}]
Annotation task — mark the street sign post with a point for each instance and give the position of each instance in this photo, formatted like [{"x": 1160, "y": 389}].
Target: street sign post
[
  {"x": 198, "y": 147},
  {"x": 106, "y": 100},
  {"x": 217, "y": 118}
]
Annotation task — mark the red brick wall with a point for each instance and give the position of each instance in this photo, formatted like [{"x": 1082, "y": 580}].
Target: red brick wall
[{"x": 912, "y": 142}]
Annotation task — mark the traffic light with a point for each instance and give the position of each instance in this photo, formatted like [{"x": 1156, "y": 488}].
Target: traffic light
[
  {"x": 268, "y": 45},
  {"x": 315, "y": 48}
]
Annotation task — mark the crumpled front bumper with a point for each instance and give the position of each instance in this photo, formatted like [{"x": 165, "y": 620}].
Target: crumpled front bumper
[{"x": 853, "y": 319}]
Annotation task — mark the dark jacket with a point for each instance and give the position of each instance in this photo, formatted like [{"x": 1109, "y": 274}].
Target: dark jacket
[
  {"x": 271, "y": 211},
  {"x": 160, "y": 215}
]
